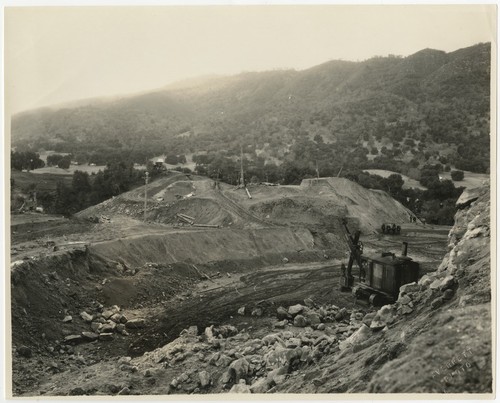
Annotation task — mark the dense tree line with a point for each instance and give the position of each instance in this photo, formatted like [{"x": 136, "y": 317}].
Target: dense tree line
[
  {"x": 29, "y": 160},
  {"x": 436, "y": 204},
  {"x": 58, "y": 160},
  {"x": 87, "y": 190}
]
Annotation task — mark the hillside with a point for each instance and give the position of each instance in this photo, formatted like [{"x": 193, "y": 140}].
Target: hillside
[{"x": 430, "y": 96}]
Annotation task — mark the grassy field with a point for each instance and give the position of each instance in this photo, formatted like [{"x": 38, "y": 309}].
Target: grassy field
[
  {"x": 44, "y": 181},
  {"x": 471, "y": 179},
  {"x": 409, "y": 183},
  {"x": 59, "y": 171}
]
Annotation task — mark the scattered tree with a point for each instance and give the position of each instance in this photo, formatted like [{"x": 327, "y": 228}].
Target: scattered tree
[{"x": 457, "y": 175}]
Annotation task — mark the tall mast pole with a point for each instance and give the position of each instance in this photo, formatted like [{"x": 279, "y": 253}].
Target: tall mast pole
[
  {"x": 146, "y": 179},
  {"x": 242, "y": 179}
]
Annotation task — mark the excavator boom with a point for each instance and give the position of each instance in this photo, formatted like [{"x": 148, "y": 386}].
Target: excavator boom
[{"x": 356, "y": 248}]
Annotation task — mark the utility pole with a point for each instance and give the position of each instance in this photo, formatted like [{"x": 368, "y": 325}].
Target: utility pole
[
  {"x": 242, "y": 179},
  {"x": 317, "y": 170},
  {"x": 146, "y": 180}
]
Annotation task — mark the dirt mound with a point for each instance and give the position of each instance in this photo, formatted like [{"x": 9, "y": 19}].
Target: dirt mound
[
  {"x": 371, "y": 207},
  {"x": 309, "y": 204},
  {"x": 300, "y": 210},
  {"x": 171, "y": 195},
  {"x": 316, "y": 199},
  {"x": 166, "y": 189},
  {"x": 41, "y": 290}
]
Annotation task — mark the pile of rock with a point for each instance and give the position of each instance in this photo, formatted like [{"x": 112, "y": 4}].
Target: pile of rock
[
  {"x": 250, "y": 365},
  {"x": 308, "y": 315},
  {"x": 103, "y": 325}
]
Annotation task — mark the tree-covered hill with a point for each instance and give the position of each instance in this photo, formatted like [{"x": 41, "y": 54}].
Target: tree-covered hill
[{"x": 412, "y": 106}]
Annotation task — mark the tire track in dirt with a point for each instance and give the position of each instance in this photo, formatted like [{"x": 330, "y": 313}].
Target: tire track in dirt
[
  {"x": 239, "y": 211},
  {"x": 266, "y": 289}
]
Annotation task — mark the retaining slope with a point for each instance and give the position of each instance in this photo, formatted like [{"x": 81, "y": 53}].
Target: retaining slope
[{"x": 204, "y": 246}]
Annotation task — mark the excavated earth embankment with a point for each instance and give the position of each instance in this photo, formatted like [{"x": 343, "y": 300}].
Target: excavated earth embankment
[
  {"x": 310, "y": 203},
  {"x": 209, "y": 246}
]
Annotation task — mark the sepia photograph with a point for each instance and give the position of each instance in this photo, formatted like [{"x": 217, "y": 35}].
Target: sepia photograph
[{"x": 219, "y": 201}]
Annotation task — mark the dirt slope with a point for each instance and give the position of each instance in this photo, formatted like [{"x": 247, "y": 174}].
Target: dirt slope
[
  {"x": 206, "y": 246},
  {"x": 308, "y": 204},
  {"x": 316, "y": 199}
]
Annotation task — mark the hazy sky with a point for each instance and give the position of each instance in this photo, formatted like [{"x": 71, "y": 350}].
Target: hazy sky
[{"x": 54, "y": 55}]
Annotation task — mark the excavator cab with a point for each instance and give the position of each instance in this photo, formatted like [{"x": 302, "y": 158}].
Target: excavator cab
[{"x": 380, "y": 276}]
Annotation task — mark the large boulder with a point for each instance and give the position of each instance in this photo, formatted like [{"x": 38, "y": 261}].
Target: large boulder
[
  {"x": 282, "y": 356},
  {"x": 271, "y": 339},
  {"x": 282, "y": 313},
  {"x": 295, "y": 309},
  {"x": 358, "y": 337},
  {"x": 468, "y": 196},
  {"x": 261, "y": 385},
  {"x": 257, "y": 311},
  {"x": 90, "y": 336},
  {"x": 309, "y": 303},
  {"x": 312, "y": 318},
  {"x": 73, "y": 338},
  {"x": 107, "y": 327},
  {"x": 239, "y": 369},
  {"x": 240, "y": 387},
  {"x": 205, "y": 379},
  {"x": 209, "y": 334},
  {"x": 299, "y": 321},
  {"x": 117, "y": 317},
  {"x": 108, "y": 314},
  {"x": 225, "y": 331},
  {"x": 86, "y": 317},
  {"x": 384, "y": 317},
  {"x": 106, "y": 336}
]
